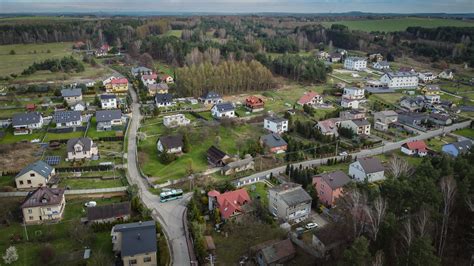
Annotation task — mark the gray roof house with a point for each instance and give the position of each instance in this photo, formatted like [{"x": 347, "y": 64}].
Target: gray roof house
[
  {"x": 289, "y": 202},
  {"x": 106, "y": 119},
  {"x": 222, "y": 110},
  {"x": 164, "y": 99},
  {"x": 64, "y": 119},
  {"x": 81, "y": 148},
  {"x": 210, "y": 98},
  {"x": 135, "y": 241},
  {"x": 71, "y": 92},
  {"x": 456, "y": 148},
  {"x": 170, "y": 144},
  {"x": 24, "y": 123},
  {"x": 141, "y": 71},
  {"x": 440, "y": 119},
  {"x": 274, "y": 142},
  {"x": 237, "y": 166},
  {"x": 412, "y": 119},
  {"x": 368, "y": 168},
  {"x": 34, "y": 175}
]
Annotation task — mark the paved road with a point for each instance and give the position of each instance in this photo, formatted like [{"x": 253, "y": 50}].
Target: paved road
[{"x": 170, "y": 214}]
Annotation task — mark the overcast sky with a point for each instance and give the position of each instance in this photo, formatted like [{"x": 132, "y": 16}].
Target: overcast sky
[{"x": 296, "y": 6}]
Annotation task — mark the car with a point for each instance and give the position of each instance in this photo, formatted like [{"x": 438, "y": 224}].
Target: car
[
  {"x": 90, "y": 204},
  {"x": 35, "y": 140},
  {"x": 344, "y": 153},
  {"x": 310, "y": 226}
]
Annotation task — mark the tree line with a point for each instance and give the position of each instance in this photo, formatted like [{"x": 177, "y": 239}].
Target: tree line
[{"x": 66, "y": 64}]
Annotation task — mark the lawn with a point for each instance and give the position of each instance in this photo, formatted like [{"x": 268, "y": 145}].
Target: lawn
[
  {"x": 258, "y": 190},
  {"x": 94, "y": 134},
  {"x": 10, "y": 138},
  {"x": 390, "y": 98},
  {"x": 466, "y": 132},
  {"x": 399, "y": 24},
  {"x": 85, "y": 183},
  {"x": 58, "y": 136},
  {"x": 437, "y": 143},
  {"x": 176, "y": 33}
]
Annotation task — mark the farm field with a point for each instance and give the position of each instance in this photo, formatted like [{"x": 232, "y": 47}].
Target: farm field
[{"x": 399, "y": 24}]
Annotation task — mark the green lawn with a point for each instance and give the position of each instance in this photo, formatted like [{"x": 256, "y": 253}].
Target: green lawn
[
  {"x": 10, "y": 138},
  {"x": 390, "y": 98},
  {"x": 57, "y": 136},
  {"x": 94, "y": 134},
  {"x": 7, "y": 181},
  {"x": 261, "y": 190},
  {"x": 84, "y": 183},
  {"x": 466, "y": 132},
  {"x": 176, "y": 33},
  {"x": 437, "y": 143},
  {"x": 399, "y": 24}
]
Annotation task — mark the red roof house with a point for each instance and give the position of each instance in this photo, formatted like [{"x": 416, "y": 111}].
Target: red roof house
[
  {"x": 30, "y": 106},
  {"x": 254, "y": 103},
  {"x": 415, "y": 148},
  {"x": 229, "y": 203},
  {"x": 310, "y": 98},
  {"x": 105, "y": 47},
  {"x": 119, "y": 81}
]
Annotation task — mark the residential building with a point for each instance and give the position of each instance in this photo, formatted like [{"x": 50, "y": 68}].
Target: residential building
[
  {"x": 351, "y": 114},
  {"x": 36, "y": 174},
  {"x": 108, "y": 119},
  {"x": 108, "y": 80},
  {"x": 381, "y": 65},
  {"x": 110, "y": 213},
  {"x": 170, "y": 144},
  {"x": 400, "y": 80},
  {"x": 239, "y": 165},
  {"x": 25, "y": 123},
  {"x": 322, "y": 55},
  {"x": 413, "y": 103},
  {"x": 254, "y": 104},
  {"x": 176, "y": 120},
  {"x": 383, "y": 119},
  {"x": 157, "y": 88},
  {"x": 274, "y": 252},
  {"x": 210, "y": 98},
  {"x": 71, "y": 95},
  {"x": 310, "y": 98},
  {"x": 354, "y": 93},
  {"x": 433, "y": 98},
  {"x": 140, "y": 71},
  {"x": 426, "y": 77},
  {"x": 108, "y": 101},
  {"x": 67, "y": 119},
  {"x": 431, "y": 90},
  {"x": 376, "y": 57},
  {"x": 276, "y": 124},
  {"x": 223, "y": 110},
  {"x": 350, "y": 103},
  {"x": 166, "y": 79},
  {"x": 274, "y": 143},
  {"x": 412, "y": 119},
  {"x": 355, "y": 63},
  {"x": 440, "y": 119},
  {"x": 43, "y": 205},
  {"x": 135, "y": 243},
  {"x": 358, "y": 126},
  {"x": 369, "y": 168},
  {"x": 457, "y": 148},
  {"x": 117, "y": 85},
  {"x": 230, "y": 204},
  {"x": 164, "y": 100},
  {"x": 329, "y": 127},
  {"x": 79, "y": 106},
  {"x": 329, "y": 186},
  {"x": 81, "y": 148},
  {"x": 149, "y": 79},
  {"x": 289, "y": 202},
  {"x": 446, "y": 74},
  {"x": 335, "y": 57},
  {"x": 417, "y": 147},
  {"x": 216, "y": 157}
]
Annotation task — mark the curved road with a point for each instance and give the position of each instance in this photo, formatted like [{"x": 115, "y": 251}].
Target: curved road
[{"x": 170, "y": 214}]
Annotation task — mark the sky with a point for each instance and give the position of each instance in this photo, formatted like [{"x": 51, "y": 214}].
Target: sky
[{"x": 239, "y": 6}]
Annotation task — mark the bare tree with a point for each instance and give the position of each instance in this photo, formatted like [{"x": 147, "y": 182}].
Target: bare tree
[
  {"x": 355, "y": 203},
  {"x": 470, "y": 203},
  {"x": 375, "y": 215},
  {"x": 407, "y": 234},
  {"x": 422, "y": 221},
  {"x": 378, "y": 258},
  {"x": 448, "y": 191},
  {"x": 398, "y": 167},
  {"x": 146, "y": 60}
]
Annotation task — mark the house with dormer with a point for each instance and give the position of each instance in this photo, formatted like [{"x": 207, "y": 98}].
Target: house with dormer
[
  {"x": 36, "y": 174},
  {"x": 43, "y": 205},
  {"x": 25, "y": 123},
  {"x": 81, "y": 148},
  {"x": 230, "y": 203}
]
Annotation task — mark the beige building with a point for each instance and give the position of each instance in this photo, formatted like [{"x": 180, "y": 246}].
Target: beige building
[
  {"x": 135, "y": 243},
  {"x": 289, "y": 202},
  {"x": 34, "y": 175},
  {"x": 44, "y": 205},
  {"x": 81, "y": 148}
]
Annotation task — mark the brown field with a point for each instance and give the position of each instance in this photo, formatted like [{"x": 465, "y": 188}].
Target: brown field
[{"x": 13, "y": 157}]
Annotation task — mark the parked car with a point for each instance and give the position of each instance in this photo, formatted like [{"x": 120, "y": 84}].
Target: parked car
[
  {"x": 344, "y": 153},
  {"x": 310, "y": 226},
  {"x": 90, "y": 204}
]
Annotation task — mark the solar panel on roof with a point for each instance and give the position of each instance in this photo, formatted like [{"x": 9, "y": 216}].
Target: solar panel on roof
[{"x": 52, "y": 160}]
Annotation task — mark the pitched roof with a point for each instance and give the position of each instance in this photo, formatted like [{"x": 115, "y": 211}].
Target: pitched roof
[
  {"x": 66, "y": 116},
  {"x": 371, "y": 164},
  {"x": 462, "y": 146},
  {"x": 157, "y": 86},
  {"x": 231, "y": 201},
  {"x": 213, "y": 193},
  {"x": 277, "y": 251},
  {"x": 388, "y": 113},
  {"x": 273, "y": 140},
  {"x": 214, "y": 154},
  {"x": 292, "y": 195},
  {"x": 140, "y": 69},
  {"x": 328, "y": 126},
  {"x": 152, "y": 76},
  {"x": 119, "y": 81},
  {"x": 360, "y": 122},
  {"x": 210, "y": 95},
  {"x": 416, "y": 145},
  {"x": 170, "y": 142},
  {"x": 224, "y": 107},
  {"x": 137, "y": 238},
  {"x": 26, "y": 118},
  {"x": 354, "y": 58},
  {"x": 85, "y": 142},
  {"x": 239, "y": 163},
  {"x": 383, "y": 63},
  {"x": 276, "y": 119},
  {"x": 39, "y": 167},
  {"x": 108, "y": 211},
  {"x": 440, "y": 117},
  {"x": 307, "y": 97},
  {"x": 43, "y": 196},
  {"x": 400, "y": 74},
  {"x": 107, "y": 96},
  {"x": 71, "y": 92},
  {"x": 164, "y": 98},
  {"x": 252, "y": 100},
  {"x": 335, "y": 180},
  {"x": 108, "y": 115}
]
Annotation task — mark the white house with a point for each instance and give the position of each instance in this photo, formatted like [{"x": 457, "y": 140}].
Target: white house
[
  {"x": 108, "y": 101},
  {"x": 107, "y": 119},
  {"x": 358, "y": 126},
  {"x": 222, "y": 110},
  {"x": 149, "y": 79},
  {"x": 354, "y": 93},
  {"x": 170, "y": 144},
  {"x": 81, "y": 148},
  {"x": 34, "y": 175},
  {"x": 164, "y": 100},
  {"x": 415, "y": 148},
  {"x": 175, "y": 120},
  {"x": 67, "y": 119},
  {"x": 79, "y": 106},
  {"x": 433, "y": 98},
  {"x": 400, "y": 80},
  {"x": 350, "y": 103},
  {"x": 369, "y": 168},
  {"x": 108, "y": 80},
  {"x": 71, "y": 96},
  {"x": 381, "y": 65},
  {"x": 355, "y": 63},
  {"x": 446, "y": 74},
  {"x": 426, "y": 77},
  {"x": 276, "y": 124},
  {"x": 25, "y": 123}
]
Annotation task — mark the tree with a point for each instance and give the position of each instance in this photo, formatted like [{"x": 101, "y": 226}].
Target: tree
[
  {"x": 146, "y": 60},
  {"x": 11, "y": 255},
  {"x": 376, "y": 215},
  {"x": 12, "y": 52},
  {"x": 448, "y": 190},
  {"x": 398, "y": 166},
  {"x": 358, "y": 254},
  {"x": 80, "y": 233},
  {"x": 422, "y": 253},
  {"x": 186, "y": 144},
  {"x": 99, "y": 258}
]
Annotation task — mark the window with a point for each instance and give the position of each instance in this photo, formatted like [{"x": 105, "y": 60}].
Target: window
[
  {"x": 31, "y": 217},
  {"x": 32, "y": 174},
  {"x": 30, "y": 211},
  {"x": 28, "y": 181},
  {"x": 146, "y": 259},
  {"x": 132, "y": 262},
  {"x": 21, "y": 182}
]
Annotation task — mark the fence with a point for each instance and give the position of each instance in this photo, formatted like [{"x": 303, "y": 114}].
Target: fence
[
  {"x": 84, "y": 168},
  {"x": 67, "y": 129}
]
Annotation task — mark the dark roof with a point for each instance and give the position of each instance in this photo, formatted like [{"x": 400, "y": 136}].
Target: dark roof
[
  {"x": 292, "y": 193},
  {"x": 215, "y": 155},
  {"x": 108, "y": 115},
  {"x": 163, "y": 98},
  {"x": 210, "y": 95},
  {"x": 43, "y": 196},
  {"x": 107, "y": 96},
  {"x": 39, "y": 167},
  {"x": 224, "y": 107},
  {"x": 66, "y": 116},
  {"x": 462, "y": 146},
  {"x": 360, "y": 122},
  {"x": 71, "y": 92},
  {"x": 440, "y": 117},
  {"x": 137, "y": 238},
  {"x": 170, "y": 142},
  {"x": 278, "y": 251},
  {"x": 273, "y": 140},
  {"x": 140, "y": 69},
  {"x": 335, "y": 179},
  {"x": 26, "y": 118},
  {"x": 371, "y": 165},
  {"x": 158, "y": 86},
  {"x": 276, "y": 119},
  {"x": 86, "y": 142},
  {"x": 108, "y": 211}
]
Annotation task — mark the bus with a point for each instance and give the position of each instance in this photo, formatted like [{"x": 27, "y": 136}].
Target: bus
[{"x": 171, "y": 195}]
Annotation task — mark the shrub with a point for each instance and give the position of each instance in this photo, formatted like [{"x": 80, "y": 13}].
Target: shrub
[
  {"x": 12, "y": 52},
  {"x": 11, "y": 255}
]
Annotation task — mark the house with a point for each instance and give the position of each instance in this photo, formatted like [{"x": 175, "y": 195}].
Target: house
[
  {"x": 369, "y": 168},
  {"x": 426, "y": 77},
  {"x": 230, "y": 204},
  {"x": 355, "y": 63},
  {"x": 322, "y": 55},
  {"x": 456, "y": 148},
  {"x": 176, "y": 120},
  {"x": 240, "y": 165},
  {"x": 43, "y": 205},
  {"x": 71, "y": 95},
  {"x": 351, "y": 114},
  {"x": 135, "y": 243},
  {"x": 170, "y": 144},
  {"x": 164, "y": 100},
  {"x": 358, "y": 126},
  {"x": 107, "y": 119},
  {"x": 210, "y": 98},
  {"x": 110, "y": 213},
  {"x": 400, "y": 80},
  {"x": 412, "y": 119},
  {"x": 310, "y": 98},
  {"x": 335, "y": 57},
  {"x": 223, "y": 110},
  {"x": 216, "y": 157},
  {"x": 433, "y": 98},
  {"x": 30, "y": 107},
  {"x": 157, "y": 88},
  {"x": 25, "y": 123},
  {"x": 36, "y": 174},
  {"x": 274, "y": 252},
  {"x": 353, "y": 93},
  {"x": 108, "y": 80},
  {"x": 79, "y": 106},
  {"x": 413, "y": 103},
  {"x": 149, "y": 79},
  {"x": 108, "y": 101},
  {"x": 383, "y": 119},
  {"x": 275, "y": 124},
  {"x": 329, "y": 186},
  {"x": 274, "y": 143},
  {"x": 67, "y": 119},
  {"x": 440, "y": 119},
  {"x": 406, "y": 69},
  {"x": 329, "y": 127},
  {"x": 140, "y": 71},
  {"x": 350, "y": 103},
  {"x": 446, "y": 74},
  {"x": 381, "y": 65},
  {"x": 81, "y": 148},
  {"x": 289, "y": 202},
  {"x": 431, "y": 90},
  {"x": 166, "y": 79},
  {"x": 117, "y": 85},
  {"x": 254, "y": 104},
  {"x": 417, "y": 147},
  {"x": 376, "y": 58}
]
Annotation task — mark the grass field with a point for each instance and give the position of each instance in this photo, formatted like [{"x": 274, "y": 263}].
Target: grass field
[
  {"x": 83, "y": 183},
  {"x": 466, "y": 132},
  {"x": 390, "y": 98},
  {"x": 399, "y": 24},
  {"x": 176, "y": 33}
]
